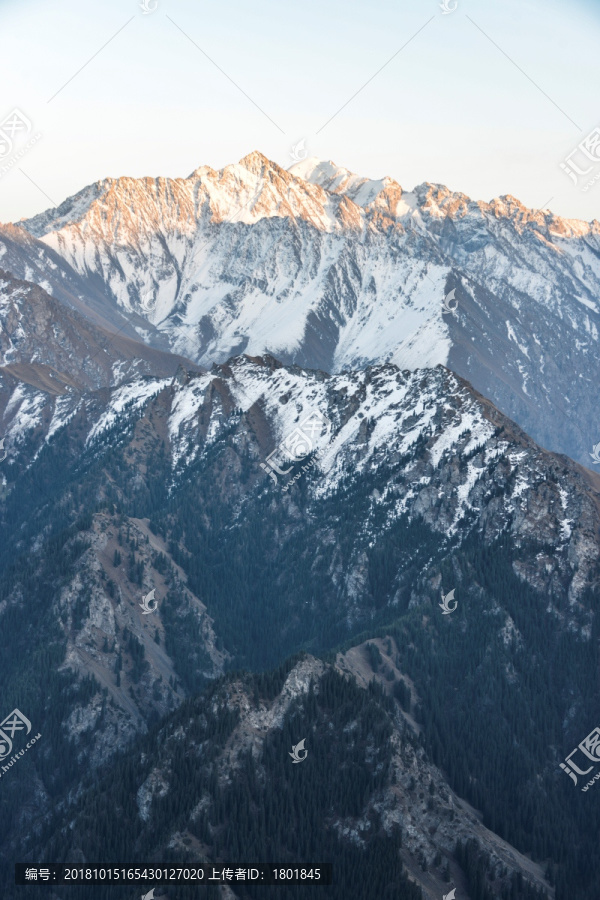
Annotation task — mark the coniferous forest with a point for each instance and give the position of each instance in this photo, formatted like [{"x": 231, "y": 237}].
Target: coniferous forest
[{"x": 490, "y": 712}]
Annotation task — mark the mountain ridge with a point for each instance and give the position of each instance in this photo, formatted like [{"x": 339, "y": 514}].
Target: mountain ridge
[
  {"x": 323, "y": 175},
  {"x": 411, "y": 486},
  {"x": 254, "y": 259}
]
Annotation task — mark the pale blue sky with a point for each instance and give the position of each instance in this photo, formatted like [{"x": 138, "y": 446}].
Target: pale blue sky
[{"x": 451, "y": 107}]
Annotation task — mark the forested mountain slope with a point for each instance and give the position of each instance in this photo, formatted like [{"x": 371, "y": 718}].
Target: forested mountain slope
[{"x": 273, "y": 509}]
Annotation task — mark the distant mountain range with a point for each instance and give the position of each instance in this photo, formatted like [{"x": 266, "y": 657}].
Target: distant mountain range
[
  {"x": 325, "y": 269},
  {"x": 248, "y": 395}
]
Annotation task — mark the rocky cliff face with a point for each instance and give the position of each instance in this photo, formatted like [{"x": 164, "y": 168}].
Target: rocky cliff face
[{"x": 123, "y": 647}]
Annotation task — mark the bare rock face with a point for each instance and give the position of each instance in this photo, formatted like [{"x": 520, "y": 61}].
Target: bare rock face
[{"x": 110, "y": 637}]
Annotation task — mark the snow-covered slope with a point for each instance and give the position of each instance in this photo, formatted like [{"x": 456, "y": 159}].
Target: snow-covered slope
[
  {"x": 327, "y": 269},
  {"x": 435, "y": 449}
]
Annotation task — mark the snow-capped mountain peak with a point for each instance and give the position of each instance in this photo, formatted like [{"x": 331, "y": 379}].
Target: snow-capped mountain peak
[
  {"x": 338, "y": 180},
  {"x": 327, "y": 269}
]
